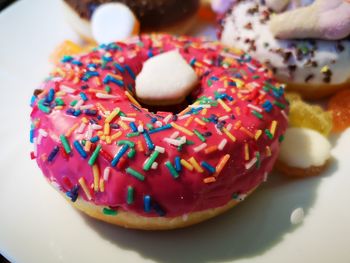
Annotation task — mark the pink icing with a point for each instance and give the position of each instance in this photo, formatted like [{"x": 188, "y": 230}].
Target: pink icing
[{"x": 220, "y": 69}]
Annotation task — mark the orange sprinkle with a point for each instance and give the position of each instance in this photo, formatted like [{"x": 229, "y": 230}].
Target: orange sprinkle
[
  {"x": 204, "y": 111},
  {"x": 268, "y": 151},
  {"x": 97, "y": 81},
  {"x": 238, "y": 111},
  {"x": 90, "y": 90},
  {"x": 106, "y": 129},
  {"x": 85, "y": 120},
  {"x": 247, "y": 132},
  {"x": 96, "y": 173},
  {"x": 184, "y": 111},
  {"x": 140, "y": 147},
  {"x": 211, "y": 149},
  {"x": 238, "y": 125},
  {"x": 132, "y": 99},
  {"x": 100, "y": 107},
  {"x": 209, "y": 180},
  {"x": 72, "y": 129},
  {"x": 188, "y": 121},
  {"x": 102, "y": 185},
  {"x": 87, "y": 146},
  {"x": 182, "y": 129},
  {"x": 221, "y": 164},
  {"x": 246, "y": 151},
  {"x": 200, "y": 122},
  {"x": 85, "y": 187}
]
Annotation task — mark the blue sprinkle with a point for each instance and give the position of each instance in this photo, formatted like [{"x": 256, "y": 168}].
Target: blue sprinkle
[
  {"x": 53, "y": 153},
  {"x": 107, "y": 58},
  {"x": 147, "y": 203},
  {"x": 50, "y": 96},
  {"x": 80, "y": 149},
  {"x": 267, "y": 106},
  {"x": 178, "y": 166},
  {"x": 131, "y": 73},
  {"x": 133, "y": 126},
  {"x": 228, "y": 97},
  {"x": 99, "y": 117},
  {"x": 66, "y": 59},
  {"x": 232, "y": 83},
  {"x": 208, "y": 167},
  {"x": 32, "y": 100},
  {"x": 83, "y": 96},
  {"x": 119, "y": 67},
  {"x": 119, "y": 155},
  {"x": 150, "y": 53},
  {"x": 148, "y": 140},
  {"x": 159, "y": 210},
  {"x": 70, "y": 111},
  {"x": 77, "y": 62},
  {"x": 77, "y": 113},
  {"x": 73, "y": 193},
  {"x": 165, "y": 127},
  {"x": 31, "y": 135},
  {"x": 90, "y": 112},
  {"x": 115, "y": 126},
  {"x": 214, "y": 78},
  {"x": 193, "y": 61},
  {"x": 154, "y": 119},
  {"x": 94, "y": 139}
]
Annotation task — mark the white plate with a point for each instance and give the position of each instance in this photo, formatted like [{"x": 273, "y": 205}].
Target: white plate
[{"x": 37, "y": 225}]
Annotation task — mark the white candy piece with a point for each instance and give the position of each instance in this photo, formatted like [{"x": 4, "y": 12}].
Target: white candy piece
[
  {"x": 165, "y": 79},
  {"x": 297, "y": 216},
  {"x": 303, "y": 148},
  {"x": 112, "y": 22}
]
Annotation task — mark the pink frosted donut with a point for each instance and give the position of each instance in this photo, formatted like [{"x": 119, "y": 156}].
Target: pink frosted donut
[{"x": 123, "y": 164}]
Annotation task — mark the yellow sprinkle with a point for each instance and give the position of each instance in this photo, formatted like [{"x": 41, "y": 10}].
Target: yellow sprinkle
[
  {"x": 85, "y": 188},
  {"x": 224, "y": 105},
  {"x": 102, "y": 185},
  {"x": 116, "y": 76},
  {"x": 60, "y": 93},
  {"x": 85, "y": 120},
  {"x": 225, "y": 83},
  {"x": 87, "y": 146},
  {"x": 204, "y": 111},
  {"x": 103, "y": 137},
  {"x": 76, "y": 80},
  {"x": 184, "y": 111},
  {"x": 112, "y": 115},
  {"x": 96, "y": 173},
  {"x": 116, "y": 135},
  {"x": 131, "y": 114},
  {"x": 273, "y": 127},
  {"x": 97, "y": 91},
  {"x": 61, "y": 72},
  {"x": 221, "y": 164},
  {"x": 132, "y": 99},
  {"x": 58, "y": 107},
  {"x": 200, "y": 122},
  {"x": 188, "y": 121},
  {"x": 246, "y": 151},
  {"x": 233, "y": 138},
  {"x": 108, "y": 140},
  {"x": 182, "y": 129},
  {"x": 106, "y": 129},
  {"x": 195, "y": 165},
  {"x": 186, "y": 164},
  {"x": 324, "y": 69},
  {"x": 123, "y": 125},
  {"x": 209, "y": 180},
  {"x": 239, "y": 83},
  {"x": 100, "y": 133},
  {"x": 97, "y": 81},
  {"x": 258, "y": 134}
]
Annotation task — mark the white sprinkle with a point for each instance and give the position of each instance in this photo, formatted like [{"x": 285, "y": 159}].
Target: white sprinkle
[
  {"x": 250, "y": 164},
  {"x": 123, "y": 118},
  {"x": 284, "y": 115},
  {"x": 251, "y": 66},
  {"x": 81, "y": 128},
  {"x": 66, "y": 89},
  {"x": 154, "y": 165},
  {"x": 266, "y": 174},
  {"x": 175, "y": 142},
  {"x": 200, "y": 147},
  {"x": 182, "y": 117},
  {"x": 96, "y": 127},
  {"x": 229, "y": 126},
  {"x": 222, "y": 144},
  {"x": 158, "y": 124},
  {"x": 254, "y": 107},
  {"x": 221, "y": 90},
  {"x": 222, "y": 118},
  {"x": 42, "y": 132},
  {"x": 174, "y": 135},
  {"x": 218, "y": 130},
  {"x": 240, "y": 197},
  {"x": 79, "y": 104},
  {"x": 200, "y": 106},
  {"x": 106, "y": 173},
  {"x": 140, "y": 128},
  {"x": 35, "y": 145},
  {"x": 89, "y": 133},
  {"x": 297, "y": 216},
  {"x": 167, "y": 118},
  {"x": 87, "y": 106},
  {"x": 106, "y": 96},
  {"x": 159, "y": 149}
]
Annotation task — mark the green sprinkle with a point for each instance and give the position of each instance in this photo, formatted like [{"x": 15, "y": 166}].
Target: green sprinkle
[
  {"x": 73, "y": 103},
  {"x": 135, "y": 174},
  {"x": 59, "y": 102},
  {"x": 120, "y": 113},
  {"x": 205, "y": 120},
  {"x": 83, "y": 142},
  {"x": 281, "y": 138},
  {"x": 131, "y": 153},
  {"x": 130, "y": 195},
  {"x": 150, "y": 160},
  {"x": 269, "y": 134},
  {"x": 189, "y": 142},
  {"x": 42, "y": 107},
  {"x": 256, "y": 77},
  {"x": 279, "y": 104},
  {"x": 257, "y": 114},
  {"x": 171, "y": 169},
  {"x": 199, "y": 135},
  {"x": 109, "y": 212},
  {"x": 129, "y": 143},
  {"x": 149, "y": 126},
  {"x": 258, "y": 160},
  {"x": 65, "y": 144},
  {"x": 209, "y": 82},
  {"x": 132, "y": 134},
  {"x": 108, "y": 89},
  {"x": 94, "y": 155}
]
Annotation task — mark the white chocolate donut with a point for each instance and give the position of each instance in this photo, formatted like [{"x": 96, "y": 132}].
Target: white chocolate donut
[{"x": 315, "y": 68}]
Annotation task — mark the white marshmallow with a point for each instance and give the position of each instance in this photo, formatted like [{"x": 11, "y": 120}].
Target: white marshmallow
[
  {"x": 165, "y": 79},
  {"x": 112, "y": 22},
  {"x": 303, "y": 148},
  {"x": 297, "y": 216}
]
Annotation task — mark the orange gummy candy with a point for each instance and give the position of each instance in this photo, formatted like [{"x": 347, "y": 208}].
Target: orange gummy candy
[
  {"x": 339, "y": 104},
  {"x": 67, "y": 48}
]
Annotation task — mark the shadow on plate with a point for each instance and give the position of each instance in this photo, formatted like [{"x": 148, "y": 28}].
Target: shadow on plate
[{"x": 249, "y": 230}]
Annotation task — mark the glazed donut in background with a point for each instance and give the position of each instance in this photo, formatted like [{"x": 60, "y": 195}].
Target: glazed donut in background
[
  {"x": 125, "y": 165},
  {"x": 154, "y": 15},
  {"x": 313, "y": 67}
]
